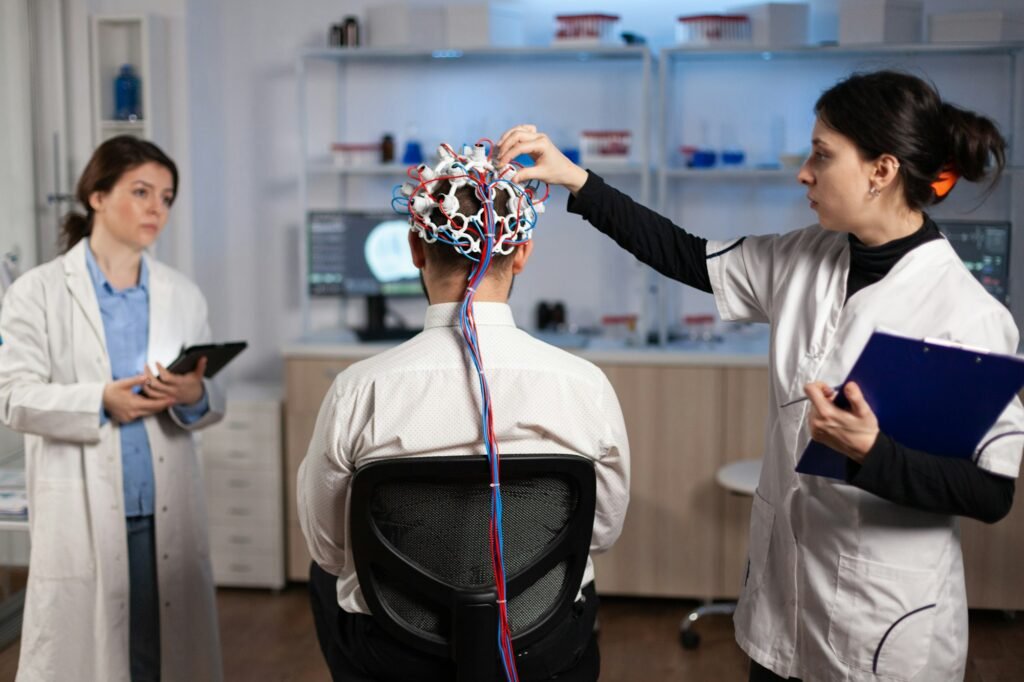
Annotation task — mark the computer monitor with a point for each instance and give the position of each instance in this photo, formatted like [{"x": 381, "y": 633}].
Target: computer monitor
[
  {"x": 363, "y": 254},
  {"x": 984, "y": 247}
]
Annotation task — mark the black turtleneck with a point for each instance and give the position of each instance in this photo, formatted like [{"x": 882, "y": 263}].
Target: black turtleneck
[
  {"x": 869, "y": 264},
  {"x": 899, "y": 474}
]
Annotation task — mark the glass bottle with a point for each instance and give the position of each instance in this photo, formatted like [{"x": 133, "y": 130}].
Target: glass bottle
[{"x": 126, "y": 95}]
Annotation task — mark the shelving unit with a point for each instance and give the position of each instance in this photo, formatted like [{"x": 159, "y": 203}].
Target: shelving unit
[
  {"x": 476, "y": 81},
  {"x": 138, "y": 40},
  {"x": 760, "y": 82}
]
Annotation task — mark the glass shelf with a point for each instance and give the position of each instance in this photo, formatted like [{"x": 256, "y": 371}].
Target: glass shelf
[
  {"x": 111, "y": 124},
  {"x": 327, "y": 167},
  {"x": 683, "y": 53},
  {"x": 731, "y": 173},
  {"x": 568, "y": 54}
]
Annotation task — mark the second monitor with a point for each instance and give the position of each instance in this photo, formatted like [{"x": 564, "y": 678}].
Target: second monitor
[{"x": 363, "y": 254}]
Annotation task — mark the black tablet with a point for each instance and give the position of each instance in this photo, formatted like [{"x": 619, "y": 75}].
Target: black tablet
[{"x": 217, "y": 355}]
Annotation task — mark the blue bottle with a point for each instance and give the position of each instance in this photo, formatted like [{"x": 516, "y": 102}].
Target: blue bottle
[{"x": 126, "y": 95}]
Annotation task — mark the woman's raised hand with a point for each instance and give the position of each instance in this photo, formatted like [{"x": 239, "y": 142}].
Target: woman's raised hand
[{"x": 551, "y": 165}]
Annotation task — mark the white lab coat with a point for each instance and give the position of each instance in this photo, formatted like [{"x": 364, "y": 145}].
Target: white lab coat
[
  {"x": 53, "y": 366},
  {"x": 836, "y": 575}
]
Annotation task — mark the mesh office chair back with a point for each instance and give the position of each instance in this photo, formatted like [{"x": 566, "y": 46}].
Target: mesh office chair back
[{"x": 419, "y": 529}]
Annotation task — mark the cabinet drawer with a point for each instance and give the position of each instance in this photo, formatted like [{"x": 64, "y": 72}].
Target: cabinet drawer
[
  {"x": 232, "y": 433},
  {"x": 248, "y": 569},
  {"x": 246, "y": 537},
  {"x": 241, "y": 455},
  {"x": 264, "y": 486},
  {"x": 241, "y": 506}
]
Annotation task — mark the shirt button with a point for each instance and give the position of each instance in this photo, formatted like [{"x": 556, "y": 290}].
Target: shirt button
[
  {"x": 165, "y": 509},
  {"x": 167, "y": 556},
  {"x": 167, "y": 604},
  {"x": 161, "y": 459}
]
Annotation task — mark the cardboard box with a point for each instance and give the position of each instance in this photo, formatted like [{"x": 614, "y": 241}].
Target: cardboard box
[
  {"x": 879, "y": 21},
  {"x": 776, "y": 24},
  {"x": 992, "y": 26},
  {"x": 399, "y": 25},
  {"x": 483, "y": 24}
]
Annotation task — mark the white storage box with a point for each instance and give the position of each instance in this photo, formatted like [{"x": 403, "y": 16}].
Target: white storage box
[
  {"x": 483, "y": 24},
  {"x": 776, "y": 24},
  {"x": 401, "y": 25},
  {"x": 992, "y": 26},
  {"x": 879, "y": 21}
]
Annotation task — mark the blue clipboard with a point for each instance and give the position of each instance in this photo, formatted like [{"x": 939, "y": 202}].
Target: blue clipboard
[{"x": 929, "y": 395}]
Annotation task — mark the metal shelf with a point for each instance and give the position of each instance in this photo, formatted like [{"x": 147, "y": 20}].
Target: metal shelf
[{"x": 320, "y": 169}]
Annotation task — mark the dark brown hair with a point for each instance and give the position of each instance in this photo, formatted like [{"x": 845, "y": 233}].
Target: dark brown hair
[
  {"x": 109, "y": 162},
  {"x": 444, "y": 256},
  {"x": 888, "y": 112}
]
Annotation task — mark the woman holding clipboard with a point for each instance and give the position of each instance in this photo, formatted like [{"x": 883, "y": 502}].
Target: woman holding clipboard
[
  {"x": 120, "y": 585},
  {"x": 861, "y": 581}
]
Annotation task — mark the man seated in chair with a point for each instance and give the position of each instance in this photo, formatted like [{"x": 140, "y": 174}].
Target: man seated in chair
[{"x": 423, "y": 398}]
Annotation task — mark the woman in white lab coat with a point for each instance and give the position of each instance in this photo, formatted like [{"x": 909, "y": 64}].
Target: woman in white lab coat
[
  {"x": 110, "y": 456},
  {"x": 861, "y": 581}
]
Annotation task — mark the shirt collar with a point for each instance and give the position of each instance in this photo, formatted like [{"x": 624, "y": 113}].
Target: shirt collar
[
  {"x": 486, "y": 314},
  {"x": 99, "y": 280}
]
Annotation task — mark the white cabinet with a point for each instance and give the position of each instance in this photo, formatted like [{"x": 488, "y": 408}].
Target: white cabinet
[
  {"x": 138, "y": 41},
  {"x": 242, "y": 468},
  {"x": 762, "y": 101}
]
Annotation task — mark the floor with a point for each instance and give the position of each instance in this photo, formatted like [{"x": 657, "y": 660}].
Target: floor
[{"x": 268, "y": 636}]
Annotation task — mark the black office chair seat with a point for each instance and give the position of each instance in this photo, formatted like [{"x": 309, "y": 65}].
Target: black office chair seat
[{"x": 419, "y": 529}]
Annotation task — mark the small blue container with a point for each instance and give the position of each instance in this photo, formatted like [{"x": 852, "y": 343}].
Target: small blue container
[
  {"x": 126, "y": 95},
  {"x": 413, "y": 153},
  {"x": 703, "y": 158},
  {"x": 733, "y": 157}
]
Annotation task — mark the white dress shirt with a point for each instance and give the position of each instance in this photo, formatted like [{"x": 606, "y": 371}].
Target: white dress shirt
[{"x": 423, "y": 398}]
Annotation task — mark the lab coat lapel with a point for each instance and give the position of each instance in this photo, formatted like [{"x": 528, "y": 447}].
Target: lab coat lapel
[
  {"x": 76, "y": 274},
  {"x": 164, "y": 341}
]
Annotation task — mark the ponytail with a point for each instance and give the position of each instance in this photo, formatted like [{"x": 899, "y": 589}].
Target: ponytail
[
  {"x": 73, "y": 229},
  {"x": 973, "y": 140}
]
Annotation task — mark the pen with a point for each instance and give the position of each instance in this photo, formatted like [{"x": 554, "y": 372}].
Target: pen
[{"x": 800, "y": 400}]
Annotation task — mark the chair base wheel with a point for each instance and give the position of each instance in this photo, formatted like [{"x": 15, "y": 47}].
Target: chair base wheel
[{"x": 690, "y": 639}]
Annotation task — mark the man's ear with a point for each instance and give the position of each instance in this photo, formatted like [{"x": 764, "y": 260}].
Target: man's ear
[
  {"x": 521, "y": 255},
  {"x": 419, "y": 258}
]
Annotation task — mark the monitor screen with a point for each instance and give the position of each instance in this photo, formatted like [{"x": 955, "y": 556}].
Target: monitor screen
[
  {"x": 360, "y": 254},
  {"x": 984, "y": 247}
]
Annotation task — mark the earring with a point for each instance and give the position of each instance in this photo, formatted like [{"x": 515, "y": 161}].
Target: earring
[{"x": 874, "y": 192}]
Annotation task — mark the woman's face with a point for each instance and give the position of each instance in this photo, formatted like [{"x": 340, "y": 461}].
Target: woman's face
[
  {"x": 135, "y": 210},
  {"x": 837, "y": 180}
]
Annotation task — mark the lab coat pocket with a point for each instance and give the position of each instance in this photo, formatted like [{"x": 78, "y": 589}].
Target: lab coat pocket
[
  {"x": 882, "y": 618},
  {"x": 62, "y": 545},
  {"x": 762, "y": 519}
]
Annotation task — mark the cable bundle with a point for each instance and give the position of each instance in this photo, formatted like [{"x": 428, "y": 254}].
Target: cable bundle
[{"x": 436, "y": 214}]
